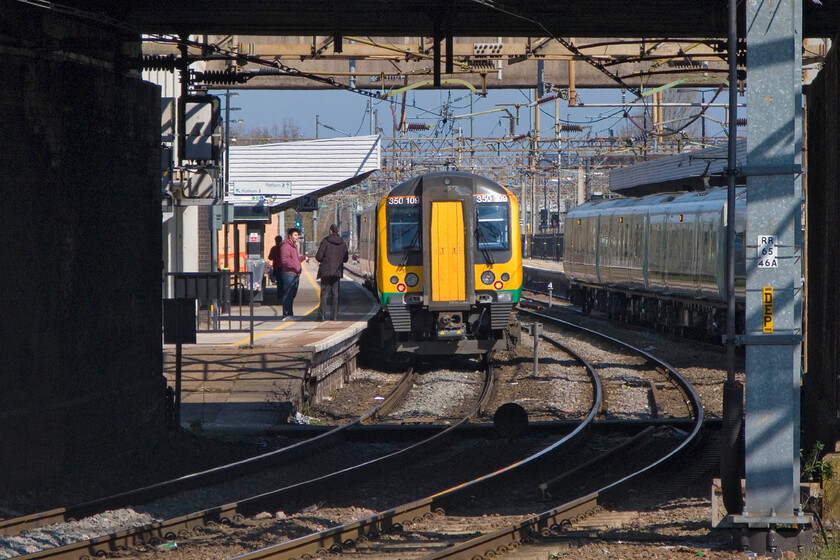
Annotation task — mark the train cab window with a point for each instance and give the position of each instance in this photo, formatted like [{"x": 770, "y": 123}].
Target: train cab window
[
  {"x": 404, "y": 229},
  {"x": 493, "y": 230}
]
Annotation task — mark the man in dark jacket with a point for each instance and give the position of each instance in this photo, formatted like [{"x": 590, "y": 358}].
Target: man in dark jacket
[
  {"x": 275, "y": 257},
  {"x": 332, "y": 254}
]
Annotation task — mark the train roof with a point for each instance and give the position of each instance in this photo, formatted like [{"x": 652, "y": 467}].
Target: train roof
[
  {"x": 711, "y": 196},
  {"x": 607, "y": 205},
  {"x": 416, "y": 185}
]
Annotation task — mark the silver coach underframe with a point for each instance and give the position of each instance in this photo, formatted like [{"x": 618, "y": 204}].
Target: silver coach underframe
[{"x": 774, "y": 280}]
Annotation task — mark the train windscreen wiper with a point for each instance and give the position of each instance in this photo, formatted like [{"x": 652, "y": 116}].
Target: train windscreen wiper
[
  {"x": 411, "y": 246},
  {"x": 488, "y": 256}
]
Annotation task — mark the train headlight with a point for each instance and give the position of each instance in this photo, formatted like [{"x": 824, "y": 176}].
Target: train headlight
[
  {"x": 411, "y": 279},
  {"x": 504, "y": 297},
  {"x": 400, "y": 288},
  {"x": 505, "y": 277},
  {"x": 487, "y": 277},
  {"x": 498, "y": 285},
  {"x": 394, "y": 279}
]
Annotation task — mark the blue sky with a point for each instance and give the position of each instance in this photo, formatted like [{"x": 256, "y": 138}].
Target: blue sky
[{"x": 345, "y": 113}]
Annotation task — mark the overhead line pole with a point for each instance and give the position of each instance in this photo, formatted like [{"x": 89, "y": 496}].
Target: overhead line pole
[{"x": 733, "y": 391}]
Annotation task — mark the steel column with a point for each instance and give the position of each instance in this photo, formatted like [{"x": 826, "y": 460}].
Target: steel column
[
  {"x": 774, "y": 277},
  {"x": 774, "y": 140}
]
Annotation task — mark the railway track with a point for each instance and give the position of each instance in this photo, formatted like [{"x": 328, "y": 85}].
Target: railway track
[
  {"x": 77, "y": 518},
  {"x": 427, "y": 515},
  {"x": 419, "y": 509},
  {"x": 14, "y": 526},
  {"x": 153, "y": 533},
  {"x": 413, "y": 515},
  {"x": 357, "y": 533},
  {"x": 669, "y": 393},
  {"x": 552, "y": 522}
]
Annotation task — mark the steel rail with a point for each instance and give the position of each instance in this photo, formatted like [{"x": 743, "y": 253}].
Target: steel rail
[
  {"x": 552, "y": 521},
  {"x": 182, "y": 525},
  {"x": 16, "y": 525},
  {"x": 691, "y": 395},
  {"x": 540, "y": 304},
  {"x": 337, "y": 538}
]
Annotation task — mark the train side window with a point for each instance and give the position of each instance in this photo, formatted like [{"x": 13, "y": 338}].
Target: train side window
[
  {"x": 493, "y": 231},
  {"x": 404, "y": 229}
]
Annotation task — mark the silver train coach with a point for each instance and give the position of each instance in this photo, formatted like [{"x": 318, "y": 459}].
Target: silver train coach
[{"x": 658, "y": 260}]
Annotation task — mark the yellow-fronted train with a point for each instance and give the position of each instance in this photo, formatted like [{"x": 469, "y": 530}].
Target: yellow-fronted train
[{"x": 443, "y": 255}]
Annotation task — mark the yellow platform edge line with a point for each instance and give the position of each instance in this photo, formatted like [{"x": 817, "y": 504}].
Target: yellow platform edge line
[{"x": 282, "y": 326}]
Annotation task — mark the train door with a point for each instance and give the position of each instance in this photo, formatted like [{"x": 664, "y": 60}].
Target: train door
[
  {"x": 448, "y": 251},
  {"x": 707, "y": 243},
  {"x": 657, "y": 248}
]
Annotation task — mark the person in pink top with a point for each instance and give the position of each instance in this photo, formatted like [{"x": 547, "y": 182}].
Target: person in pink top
[{"x": 290, "y": 269}]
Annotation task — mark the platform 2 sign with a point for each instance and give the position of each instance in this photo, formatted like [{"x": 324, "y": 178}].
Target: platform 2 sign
[{"x": 766, "y": 252}]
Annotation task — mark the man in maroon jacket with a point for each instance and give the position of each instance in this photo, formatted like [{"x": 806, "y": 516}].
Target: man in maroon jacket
[
  {"x": 332, "y": 254},
  {"x": 290, "y": 270}
]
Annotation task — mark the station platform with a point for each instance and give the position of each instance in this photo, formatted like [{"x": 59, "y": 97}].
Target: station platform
[
  {"x": 539, "y": 274},
  {"x": 229, "y": 385},
  {"x": 555, "y": 266}
]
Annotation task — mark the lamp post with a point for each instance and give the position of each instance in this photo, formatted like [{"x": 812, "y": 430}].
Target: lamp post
[
  {"x": 229, "y": 122},
  {"x": 559, "y": 170},
  {"x": 546, "y": 164},
  {"x": 228, "y": 109}
]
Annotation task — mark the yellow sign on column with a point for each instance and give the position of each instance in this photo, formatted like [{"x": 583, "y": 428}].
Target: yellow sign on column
[{"x": 767, "y": 307}]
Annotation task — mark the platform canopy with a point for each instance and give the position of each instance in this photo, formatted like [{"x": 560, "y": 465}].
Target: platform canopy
[
  {"x": 689, "y": 171},
  {"x": 286, "y": 175}
]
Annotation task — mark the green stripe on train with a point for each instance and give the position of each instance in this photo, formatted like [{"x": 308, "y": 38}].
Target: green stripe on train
[{"x": 516, "y": 295}]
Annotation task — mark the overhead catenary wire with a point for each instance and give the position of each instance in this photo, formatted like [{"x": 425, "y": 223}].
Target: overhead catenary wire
[
  {"x": 588, "y": 59},
  {"x": 378, "y": 97},
  {"x": 691, "y": 120}
]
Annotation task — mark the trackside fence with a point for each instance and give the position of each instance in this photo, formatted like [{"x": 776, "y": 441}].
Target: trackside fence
[{"x": 547, "y": 246}]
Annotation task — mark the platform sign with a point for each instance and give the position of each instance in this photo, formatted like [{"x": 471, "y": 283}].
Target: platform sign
[
  {"x": 256, "y": 213},
  {"x": 179, "y": 321},
  {"x": 766, "y": 254},
  {"x": 260, "y": 188},
  {"x": 308, "y": 203},
  {"x": 178, "y": 329}
]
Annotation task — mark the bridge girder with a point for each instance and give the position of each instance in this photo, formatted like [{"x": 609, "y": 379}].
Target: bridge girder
[{"x": 386, "y": 63}]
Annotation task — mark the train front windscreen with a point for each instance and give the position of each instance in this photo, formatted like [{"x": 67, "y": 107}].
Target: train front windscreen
[{"x": 493, "y": 227}]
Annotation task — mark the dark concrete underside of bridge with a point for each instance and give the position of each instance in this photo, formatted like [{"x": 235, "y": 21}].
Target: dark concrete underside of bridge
[{"x": 469, "y": 18}]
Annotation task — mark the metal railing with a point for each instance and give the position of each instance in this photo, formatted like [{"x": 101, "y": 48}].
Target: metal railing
[
  {"x": 221, "y": 297},
  {"x": 547, "y": 246}
]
